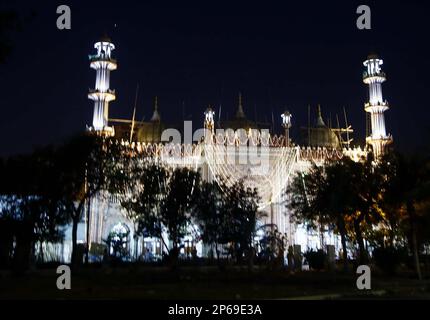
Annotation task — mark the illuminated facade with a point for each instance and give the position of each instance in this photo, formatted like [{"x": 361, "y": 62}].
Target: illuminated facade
[
  {"x": 229, "y": 151},
  {"x": 376, "y": 106}
]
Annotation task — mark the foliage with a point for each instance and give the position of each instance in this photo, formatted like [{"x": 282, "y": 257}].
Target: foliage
[
  {"x": 209, "y": 216},
  {"x": 240, "y": 206},
  {"x": 175, "y": 208},
  {"x": 227, "y": 218},
  {"x": 141, "y": 197},
  {"x": 385, "y": 202},
  {"x": 157, "y": 199},
  {"x": 84, "y": 167},
  {"x": 344, "y": 194},
  {"x": 388, "y": 259},
  {"x": 407, "y": 192},
  {"x": 118, "y": 242},
  {"x": 29, "y": 208},
  {"x": 316, "y": 259},
  {"x": 273, "y": 244}
]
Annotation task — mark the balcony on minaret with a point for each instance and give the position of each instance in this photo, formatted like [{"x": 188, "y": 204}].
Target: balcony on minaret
[
  {"x": 373, "y": 71},
  {"x": 102, "y": 61},
  {"x": 377, "y": 107},
  {"x": 380, "y": 75},
  {"x": 101, "y": 57},
  {"x": 108, "y": 95}
]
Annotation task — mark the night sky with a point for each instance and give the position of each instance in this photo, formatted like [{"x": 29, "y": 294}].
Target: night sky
[{"x": 190, "y": 54}]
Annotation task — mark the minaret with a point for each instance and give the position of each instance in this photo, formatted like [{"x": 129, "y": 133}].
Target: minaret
[
  {"x": 376, "y": 106},
  {"x": 103, "y": 63}
]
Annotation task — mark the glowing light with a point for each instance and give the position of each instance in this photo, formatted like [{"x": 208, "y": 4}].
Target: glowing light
[
  {"x": 286, "y": 119},
  {"x": 374, "y": 77},
  {"x": 103, "y": 63}
]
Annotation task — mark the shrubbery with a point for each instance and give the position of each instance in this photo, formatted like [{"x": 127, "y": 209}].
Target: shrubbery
[
  {"x": 316, "y": 259},
  {"x": 389, "y": 259}
]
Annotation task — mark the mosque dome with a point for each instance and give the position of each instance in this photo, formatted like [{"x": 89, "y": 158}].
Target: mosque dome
[{"x": 320, "y": 135}]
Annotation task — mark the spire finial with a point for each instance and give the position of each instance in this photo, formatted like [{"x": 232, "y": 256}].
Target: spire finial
[
  {"x": 240, "y": 113},
  {"x": 320, "y": 121},
  {"x": 156, "y": 114},
  {"x": 105, "y": 37}
]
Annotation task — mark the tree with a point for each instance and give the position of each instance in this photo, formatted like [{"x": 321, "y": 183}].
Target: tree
[
  {"x": 320, "y": 199},
  {"x": 177, "y": 206},
  {"x": 29, "y": 209},
  {"x": 339, "y": 194},
  {"x": 228, "y": 216},
  {"x": 309, "y": 200},
  {"x": 145, "y": 187},
  {"x": 241, "y": 209},
  {"x": 210, "y": 217},
  {"x": 366, "y": 197},
  {"x": 83, "y": 167},
  {"x": 273, "y": 245},
  {"x": 407, "y": 188}
]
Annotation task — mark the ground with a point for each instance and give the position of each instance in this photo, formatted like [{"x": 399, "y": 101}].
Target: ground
[{"x": 141, "y": 282}]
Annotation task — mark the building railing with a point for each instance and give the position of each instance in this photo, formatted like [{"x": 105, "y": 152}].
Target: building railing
[
  {"x": 108, "y": 91},
  {"x": 100, "y": 57},
  {"x": 194, "y": 151},
  {"x": 379, "y": 74}
]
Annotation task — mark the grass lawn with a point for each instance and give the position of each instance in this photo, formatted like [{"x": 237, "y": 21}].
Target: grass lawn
[{"x": 142, "y": 282}]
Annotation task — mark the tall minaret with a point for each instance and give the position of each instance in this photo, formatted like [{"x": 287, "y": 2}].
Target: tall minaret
[
  {"x": 103, "y": 63},
  {"x": 376, "y": 106}
]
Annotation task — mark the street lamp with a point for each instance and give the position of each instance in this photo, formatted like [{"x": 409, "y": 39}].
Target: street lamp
[
  {"x": 209, "y": 120},
  {"x": 286, "y": 123}
]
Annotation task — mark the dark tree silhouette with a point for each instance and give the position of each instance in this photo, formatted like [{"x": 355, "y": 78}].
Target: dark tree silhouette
[
  {"x": 212, "y": 218},
  {"x": 241, "y": 208},
  {"x": 141, "y": 196},
  {"x": 83, "y": 166},
  {"x": 177, "y": 206},
  {"x": 29, "y": 210},
  {"x": 340, "y": 194},
  {"x": 320, "y": 199},
  {"x": 407, "y": 185}
]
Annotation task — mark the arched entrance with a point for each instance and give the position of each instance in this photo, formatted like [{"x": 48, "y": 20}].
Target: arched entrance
[{"x": 118, "y": 241}]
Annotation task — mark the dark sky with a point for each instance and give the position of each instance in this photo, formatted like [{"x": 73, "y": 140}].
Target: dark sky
[{"x": 191, "y": 54}]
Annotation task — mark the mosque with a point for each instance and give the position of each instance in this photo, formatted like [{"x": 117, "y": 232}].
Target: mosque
[{"x": 229, "y": 150}]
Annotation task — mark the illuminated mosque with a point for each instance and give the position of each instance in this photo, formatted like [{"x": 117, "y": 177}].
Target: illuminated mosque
[{"x": 222, "y": 151}]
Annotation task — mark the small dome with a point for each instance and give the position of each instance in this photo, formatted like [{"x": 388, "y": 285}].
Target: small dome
[
  {"x": 323, "y": 137},
  {"x": 105, "y": 38},
  {"x": 320, "y": 135},
  {"x": 372, "y": 56}
]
